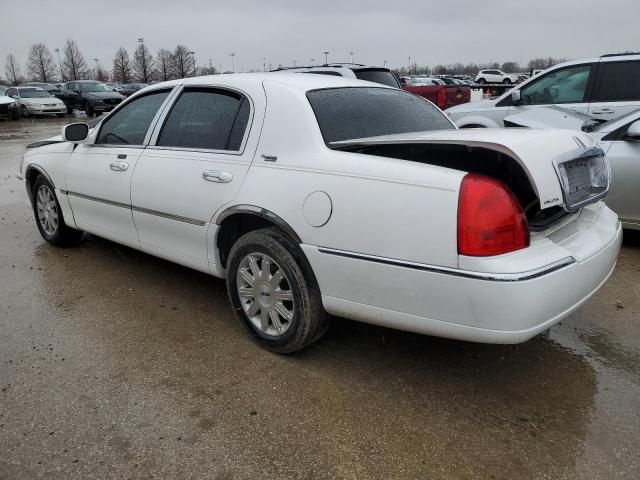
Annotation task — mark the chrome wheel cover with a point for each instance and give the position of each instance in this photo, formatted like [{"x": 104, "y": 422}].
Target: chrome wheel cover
[
  {"x": 265, "y": 294},
  {"x": 47, "y": 210}
]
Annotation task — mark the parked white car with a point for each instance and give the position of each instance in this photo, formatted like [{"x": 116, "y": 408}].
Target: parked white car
[
  {"x": 9, "y": 108},
  {"x": 36, "y": 101},
  {"x": 604, "y": 87},
  {"x": 495, "y": 76},
  {"x": 312, "y": 194},
  {"x": 620, "y": 140}
]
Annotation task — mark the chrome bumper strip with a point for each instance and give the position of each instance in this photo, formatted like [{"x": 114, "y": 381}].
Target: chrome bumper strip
[{"x": 496, "y": 277}]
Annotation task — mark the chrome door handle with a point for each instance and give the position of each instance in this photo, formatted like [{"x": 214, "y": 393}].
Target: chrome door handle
[
  {"x": 604, "y": 111},
  {"x": 118, "y": 166},
  {"x": 217, "y": 176}
]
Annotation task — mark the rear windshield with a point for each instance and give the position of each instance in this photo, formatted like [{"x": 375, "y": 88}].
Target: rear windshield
[
  {"x": 358, "y": 112},
  {"x": 385, "y": 77}
]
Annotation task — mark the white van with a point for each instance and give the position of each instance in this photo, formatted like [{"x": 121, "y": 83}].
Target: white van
[{"x": 604, "y": 87}]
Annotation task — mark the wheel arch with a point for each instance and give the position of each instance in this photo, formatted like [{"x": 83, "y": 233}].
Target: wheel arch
[
  {"x": 31, "y": 173},
  {"x": 235, "y": 221}
]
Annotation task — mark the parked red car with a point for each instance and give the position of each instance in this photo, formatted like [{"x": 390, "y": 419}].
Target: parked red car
[{"x": 443, "y": 96}]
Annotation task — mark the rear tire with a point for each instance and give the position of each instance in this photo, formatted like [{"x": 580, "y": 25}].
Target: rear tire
[
  {"x": 274, "y": 292},
  {"x": 507, "y": 81},
  {"x": 49, "y": 218}
]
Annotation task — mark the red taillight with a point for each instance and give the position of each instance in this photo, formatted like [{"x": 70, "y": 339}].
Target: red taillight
[
  {"x": 490, "y": 219},
  {"x": 441, "y": 101}
]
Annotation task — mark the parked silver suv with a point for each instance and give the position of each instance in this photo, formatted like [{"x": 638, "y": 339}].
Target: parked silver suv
[{"x": 603, "y": 87}]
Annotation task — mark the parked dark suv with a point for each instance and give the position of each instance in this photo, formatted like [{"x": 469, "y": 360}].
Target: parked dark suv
[{"x": 89, "y": 95}]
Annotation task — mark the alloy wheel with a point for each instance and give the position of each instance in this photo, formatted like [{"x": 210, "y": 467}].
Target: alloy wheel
[
  {"x": 47, "y": 210},
  {"x": 265, "y": 294}
]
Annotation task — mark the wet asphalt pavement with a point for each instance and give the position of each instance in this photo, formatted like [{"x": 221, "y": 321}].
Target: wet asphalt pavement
[{"x": 115, "y": 364}]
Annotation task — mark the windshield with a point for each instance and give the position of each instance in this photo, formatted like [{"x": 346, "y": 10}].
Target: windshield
[
  {"x": 34, "y": 94},
  {"x": 385, "y": 77},
  {"x": 356, "y": 112},
  {"x": 94, "y": 87},
  {"x": 617, "y": 122}
]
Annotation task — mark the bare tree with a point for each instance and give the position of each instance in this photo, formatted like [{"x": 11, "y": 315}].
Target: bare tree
[
  {"x": 183, "y": 63},
  {"x": 121, "y": 71},
  {"x": 74, "y": 66},
  {"x": 510, "y": 67},
  {"x": 143, "y": 65},
  {"x": 99, "y": 73},
  {"x": 164, "y": 64},
  {"x": 40, "y": 66},
  {"x": 12, "y": 70}
]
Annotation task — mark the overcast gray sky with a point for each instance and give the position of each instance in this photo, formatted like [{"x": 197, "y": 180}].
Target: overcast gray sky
[{"x": 443, "y": 31}]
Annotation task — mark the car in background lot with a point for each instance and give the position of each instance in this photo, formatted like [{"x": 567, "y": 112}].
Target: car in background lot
[
  {"x": 128, "y": 89},
  {"x": 380, "y": 75},
  {"x": 9, "y": 108},
  {"x": 35, "y": 101},
  {"x": 443, "y": 95},
  {"x": 495, "y": 76},
  {"x": 91, "y": 96},
  {"x": 384, "y": 212},
  {"x": 48, "y": 87},
  {"x": 603, "y": 87}
]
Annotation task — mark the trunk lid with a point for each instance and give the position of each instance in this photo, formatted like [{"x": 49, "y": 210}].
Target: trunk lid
[{"x": 561, "y": 165}]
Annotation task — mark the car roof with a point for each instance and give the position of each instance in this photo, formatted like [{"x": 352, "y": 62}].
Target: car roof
[
  {"x": 29, "y": 88},
  {"x": 302, "y": 83},
  {"x": 84, "y": 81}
]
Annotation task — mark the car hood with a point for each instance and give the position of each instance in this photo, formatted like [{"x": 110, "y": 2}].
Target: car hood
[
  {"x": 42, "y": 101},
  {"x": 547, "y": 117},
  {"x": 534, "y": 150},
  {"x": 6, "y": 100},
  {"x": 472, "y": 106},
  {"x": 103, "y": 95}
]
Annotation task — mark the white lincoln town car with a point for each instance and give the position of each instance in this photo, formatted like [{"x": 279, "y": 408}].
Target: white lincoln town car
[{"x": 314, "y": 195}]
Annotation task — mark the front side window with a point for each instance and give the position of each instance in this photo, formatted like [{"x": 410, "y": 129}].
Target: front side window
[
  {"x": 567, "y": 85},
  {"x": 12, "y": 92},
  {"x": 129, "y": 125},
  {"x": 94, "y": 87},
  {"x": 358, "y": 112},
  {"x": 206, "y": 119},
  {"x": 618, "y": 82}
]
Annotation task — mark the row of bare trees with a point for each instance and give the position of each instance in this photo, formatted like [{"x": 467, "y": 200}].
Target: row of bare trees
[
  {"x": 474, "y": 68},
  {"x": 143, "y": 67}
]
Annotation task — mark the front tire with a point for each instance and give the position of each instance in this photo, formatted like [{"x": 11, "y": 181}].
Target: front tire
[
  {"x": 482, "y": 80},
  {"x": 274, "y": 292},
  {"x": 49, "y": 216},
  {"x": 88, "y": 109},
  {"x": 507, "y": 81}
]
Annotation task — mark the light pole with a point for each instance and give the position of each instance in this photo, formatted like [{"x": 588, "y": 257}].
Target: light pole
[
  {"x": 294, "y": 63},
  {"x": 326, "y": 62},
  {"x": 97, "y": 71},
  {"x": 312, "y": 60},
  {"x": 193, "y": 56},
  {"x": 385, "y": 63},
  {"x": 409, "y": 64},
  {"x": 264, "y": 64},
  {"x": 140, "y": 40},
  {"x": 351, "y": 53},
  {"x": 233, "y": 61},
  {"x": 57, "y": 50}
]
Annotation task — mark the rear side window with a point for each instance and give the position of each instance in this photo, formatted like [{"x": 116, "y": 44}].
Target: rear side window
[
  {"x": 129, "y": 125},
  {"x": 207, "y": 119},
  {"x": 355, "y": 112},
  {"x": 617, "y": 82},
  {"x": 385, "y": 77}
]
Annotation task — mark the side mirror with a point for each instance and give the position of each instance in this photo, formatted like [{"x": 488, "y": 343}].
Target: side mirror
[
  {"x": 633, "y": 132},
  {"x": 75, "y": 132},
  {"x": 516, "y": 97}
]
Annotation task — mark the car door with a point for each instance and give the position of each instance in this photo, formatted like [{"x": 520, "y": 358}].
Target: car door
[
  {"x": 99, "y": 172},
  {"x": 195, "y": 164},
  {"x": 616, "y": 89},
  {"x": 70, "y": 94},
  {"x": 623, "y": 153}
]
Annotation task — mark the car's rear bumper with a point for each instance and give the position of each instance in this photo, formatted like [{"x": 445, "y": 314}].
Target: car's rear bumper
[{"x": 490, "y": 307}]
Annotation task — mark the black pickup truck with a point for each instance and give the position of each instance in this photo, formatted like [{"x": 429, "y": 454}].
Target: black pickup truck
[{"x": 89, "y": 95}]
